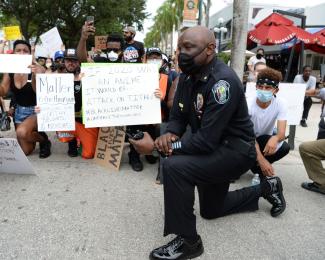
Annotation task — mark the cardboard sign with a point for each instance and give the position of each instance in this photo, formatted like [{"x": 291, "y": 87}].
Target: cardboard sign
[
  {"x": 52, "y": 41},
  {"x": 12, "y": 158},
  {"x": 12, "y": 32},
  {"x": 120, "y": 94},
  {"x": 100, "y": 42},
  {"x": 15, "y": 63},
  {"x": 109, "y": 148},
  {"x": 55, "y": 97},
  {"x": 292, "y": 93}
]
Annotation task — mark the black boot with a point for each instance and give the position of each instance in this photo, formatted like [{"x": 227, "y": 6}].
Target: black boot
[
  {"x": 44, "y": 146},
  {"x": 178, "y": 248},
  {"x": 273, "y": 192},
  {"x": 134, "y": 160},
  {"x": 73, "y": 148}
]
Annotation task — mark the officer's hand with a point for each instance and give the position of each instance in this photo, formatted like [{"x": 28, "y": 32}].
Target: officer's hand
[
  {"x": 266, "y": 167},
  {"x": 143, "y": 146},
  {"x": 87, "y": 30},
  {"x": 164, "y": 143},
  {"x": 271, "y": 145}
]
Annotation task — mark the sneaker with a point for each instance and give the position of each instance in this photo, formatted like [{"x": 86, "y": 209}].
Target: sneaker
[
  {"x": 151, "y": 159},
  {"x": 73, "y": 148},
  {"x": 45, "y": 149},
  {"x": 178, "y": 248},
  {"x": 274, "y": 195},
  {"x": 303, "y": 123},
  {"x": 312, "y": 186},
  {"x": 134, "y": 161}
]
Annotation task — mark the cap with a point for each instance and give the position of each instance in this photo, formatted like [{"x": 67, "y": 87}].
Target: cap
[
  {"x": 153, "y": 50},
  {"x": 58, "y": 54},
  {"x": 129, "y": 29},
  {"x": 70, "y": 54}
]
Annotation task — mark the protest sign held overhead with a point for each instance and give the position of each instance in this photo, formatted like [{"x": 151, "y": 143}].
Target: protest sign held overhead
[
  {"x": 12, "y": 33},
  {"x": 12, "y": 158},
  {"x": 52, "y": 40},
  {"x": 120, "y": 94},
  {"x": 55, "y": 98},
  {"x": 100, "y": 42}
]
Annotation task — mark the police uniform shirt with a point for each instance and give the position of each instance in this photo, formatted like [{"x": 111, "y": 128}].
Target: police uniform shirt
[{"x": 214, "y": 106}]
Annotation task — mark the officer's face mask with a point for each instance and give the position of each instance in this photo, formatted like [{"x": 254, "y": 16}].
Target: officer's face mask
[
  {"x": 264, "y": 95},
  {"x": 187, "y": 63}
]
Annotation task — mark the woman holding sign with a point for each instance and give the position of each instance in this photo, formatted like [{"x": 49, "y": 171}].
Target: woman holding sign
[{"x": 24, "y": 92}]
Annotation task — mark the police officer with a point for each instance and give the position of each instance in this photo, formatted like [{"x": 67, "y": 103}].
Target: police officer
[{"x": 218, "y": 148}]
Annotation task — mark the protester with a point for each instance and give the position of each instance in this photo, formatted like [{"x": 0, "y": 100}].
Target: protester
[
  {"x": 219, "y": 147},
  {"x": 310, "y": 82},
  {"x": 266, "y": 111},
  {"x": 23, "y": 87},
  {"x": 59, "y": 62},
  {"x": 114, "y": 49},
  {"x": 259, "y": 57},
  {"x": 257, "y": 68},
  {"x": 133, "y": 50},
  {"x": 86, "y": 136}
]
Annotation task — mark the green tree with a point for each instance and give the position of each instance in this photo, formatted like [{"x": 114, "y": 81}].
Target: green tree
[{"x": 37, "y": 16}]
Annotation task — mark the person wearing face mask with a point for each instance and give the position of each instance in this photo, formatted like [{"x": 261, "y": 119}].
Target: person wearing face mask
[
  {"x": 133, "y": 51},
  {"x": 266, "y": 112},
  {"x": 87, "y": 136},
  {"x": 23, "y": 88},
  {"x": 259, "y": 57},
  {"x": 219, "y": 146},
  {"x": 113, "y": 52}
]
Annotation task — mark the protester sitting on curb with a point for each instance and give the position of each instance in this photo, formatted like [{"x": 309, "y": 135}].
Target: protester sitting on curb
[
  {"x": 312, "y": 153},
  {"x": 310, "y": 82},
  {"x": 87, "y": 136},
  {"x": 23, "y": 87},
  {"x": 265, "y": 111}
]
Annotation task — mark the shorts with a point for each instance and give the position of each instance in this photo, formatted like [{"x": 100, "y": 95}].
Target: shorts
[{"x": 21, "y": 113}]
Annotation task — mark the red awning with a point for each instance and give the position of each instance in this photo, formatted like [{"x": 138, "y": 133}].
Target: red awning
[
  {"x": 320, "y": 37},
  {"x": 277, "y": 29}
]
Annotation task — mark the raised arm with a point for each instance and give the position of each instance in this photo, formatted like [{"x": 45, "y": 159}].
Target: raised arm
[{"x": 82, "y": 45}]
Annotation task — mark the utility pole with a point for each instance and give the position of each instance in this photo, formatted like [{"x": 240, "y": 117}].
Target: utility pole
[{"x": 239, "y": 36}]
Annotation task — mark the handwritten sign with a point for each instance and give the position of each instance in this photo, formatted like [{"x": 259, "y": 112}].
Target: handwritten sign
[
  {"x": 12, "y": 32},
  {"x": 292, "y": 93},
  {"x": 12, "y": 158},
  {"x": 15, "y": 63},
  {"x": 55, "y": 97},
  {"x": 120, "y": 94},
  {"x": 100, "y": 42},
  {"x": 110, "y": 147},
  {"x": 52, "y": 40}
]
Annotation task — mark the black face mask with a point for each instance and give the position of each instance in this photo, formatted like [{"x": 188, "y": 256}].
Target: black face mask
[
  {"x": 187, "y": 63},
  {"x": 259, "y": 56}
]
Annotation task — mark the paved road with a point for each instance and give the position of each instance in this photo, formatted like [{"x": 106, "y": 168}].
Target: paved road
[{"x": 74, "y": 209}]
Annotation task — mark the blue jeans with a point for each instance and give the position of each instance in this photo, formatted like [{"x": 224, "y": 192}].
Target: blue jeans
[{"x": 21, "y": 113}]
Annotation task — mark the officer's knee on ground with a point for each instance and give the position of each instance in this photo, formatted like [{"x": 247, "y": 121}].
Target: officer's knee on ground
[
  {"x": 286, "y": 148},
  {"x": 209, "y": 213}
]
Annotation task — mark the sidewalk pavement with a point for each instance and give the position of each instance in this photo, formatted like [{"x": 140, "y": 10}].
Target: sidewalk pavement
[{"x": 74, "y": 209}]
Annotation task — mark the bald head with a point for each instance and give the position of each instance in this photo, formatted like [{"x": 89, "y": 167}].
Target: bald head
[{"x": 199, "y": 34}]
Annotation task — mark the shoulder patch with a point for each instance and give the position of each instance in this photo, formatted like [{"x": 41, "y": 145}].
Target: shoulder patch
[{"x": 221, "y": 92}]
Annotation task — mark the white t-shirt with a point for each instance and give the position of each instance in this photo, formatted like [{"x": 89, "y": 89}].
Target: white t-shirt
[
  {"x": 264, "y": 120},
  {"x": 310, "y": 84},
  {"x": 252, "y": 61}
]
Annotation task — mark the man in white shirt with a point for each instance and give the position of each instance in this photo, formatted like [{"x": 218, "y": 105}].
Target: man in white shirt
[
  {"x": 265, "y": 111},
  {"x": 310, "y": 82},
  {"x": 259, "y": 57}
]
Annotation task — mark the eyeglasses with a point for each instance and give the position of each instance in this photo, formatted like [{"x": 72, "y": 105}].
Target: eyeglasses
[{"x": 265, "y": 87}]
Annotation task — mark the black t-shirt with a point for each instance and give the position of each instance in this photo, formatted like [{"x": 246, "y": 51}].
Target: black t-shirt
[
  {"x": 133, "y": 52},
  {"x": 78, "y": 101},
  {"x": 24, "y": 96}
]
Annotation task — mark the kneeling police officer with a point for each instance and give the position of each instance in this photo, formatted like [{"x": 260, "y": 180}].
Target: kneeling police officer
[{"x": 219, "y": 148}]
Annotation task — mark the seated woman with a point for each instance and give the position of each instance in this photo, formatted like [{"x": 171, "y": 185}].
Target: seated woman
[
  {"x": 24, "y": 92},
  {"x": 266, "y": 111}
]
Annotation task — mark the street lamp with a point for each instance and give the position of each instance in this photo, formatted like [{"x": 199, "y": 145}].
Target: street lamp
[{"x": 219, "y": 29}]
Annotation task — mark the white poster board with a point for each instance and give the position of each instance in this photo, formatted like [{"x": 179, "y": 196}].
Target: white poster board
[
  {"x": 52, "y": 40},
  {"x": 55, "y": 98},
  {"x": 12, "y": 158},
  {"x": 120, "y": 94},
  {"x": 292, "y": 93},
  {"x": 15, "y": 63}
]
